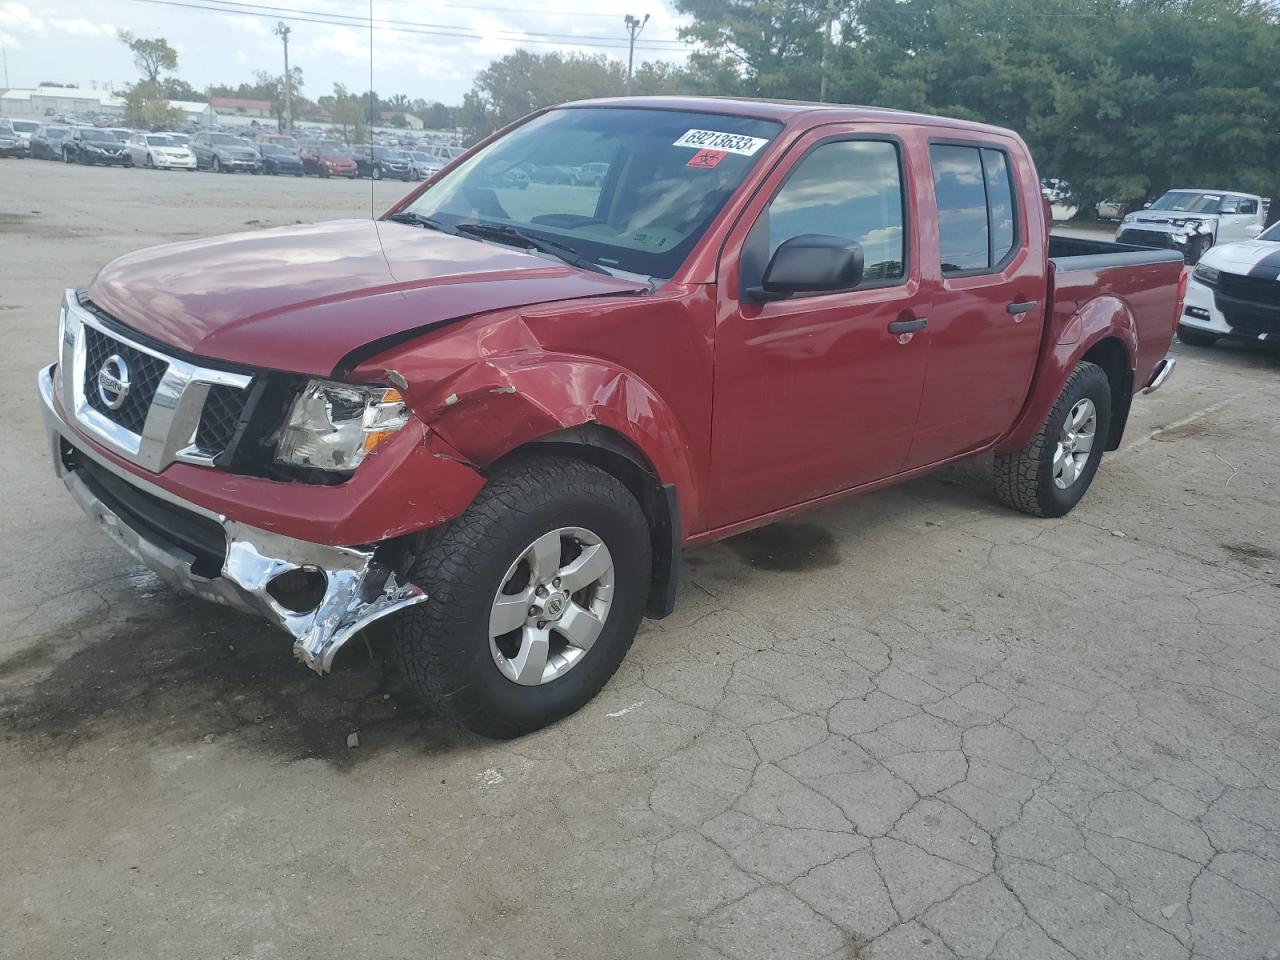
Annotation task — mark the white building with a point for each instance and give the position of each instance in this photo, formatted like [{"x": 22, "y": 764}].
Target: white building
[{"x": 51, "y": 101}]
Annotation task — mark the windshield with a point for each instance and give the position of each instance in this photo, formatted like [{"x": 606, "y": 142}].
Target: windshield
[
  {"x": 333, "y": 153},
  {"x": 223, "y": 140},
  {"x": 25, "y": 126},
  {"x": 1272, "y": 233},
  {"x": 1188, "y": 201},
  {"x": 98, "y": 136},
  {"x": 160, "y": 142},
  {"x": 55, "y": 131},
  {"x": 656, "y": 179},
  {"x": 273, "y": 150},
  {"x": 382, "y": 153}
]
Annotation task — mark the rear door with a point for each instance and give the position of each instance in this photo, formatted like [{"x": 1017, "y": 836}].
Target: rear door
[
  {"x": 1240, "y": 219},
  {"x": 816, "y": 393},
  {"x": 988, "y": 295}
]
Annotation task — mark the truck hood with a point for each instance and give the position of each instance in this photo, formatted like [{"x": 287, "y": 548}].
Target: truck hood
[{"x": 302, "y": 298}]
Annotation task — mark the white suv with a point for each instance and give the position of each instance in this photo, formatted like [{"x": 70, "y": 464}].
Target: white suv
[{"x": 1194, "y": 220}]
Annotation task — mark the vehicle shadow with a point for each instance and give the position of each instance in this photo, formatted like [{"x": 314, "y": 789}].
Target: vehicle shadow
[{"x": 180, "y": 671}]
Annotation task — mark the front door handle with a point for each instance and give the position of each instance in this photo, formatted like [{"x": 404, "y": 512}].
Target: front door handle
[
  {"x": 908, "y": 326},
  {"x": 1025, "y": 307}
]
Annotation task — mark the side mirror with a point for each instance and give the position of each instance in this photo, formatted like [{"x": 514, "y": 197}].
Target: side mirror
[{"x": 810, "y": 263}]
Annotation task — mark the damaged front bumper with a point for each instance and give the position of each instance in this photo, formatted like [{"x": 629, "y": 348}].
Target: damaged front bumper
[{"x": 320, "y": 595}]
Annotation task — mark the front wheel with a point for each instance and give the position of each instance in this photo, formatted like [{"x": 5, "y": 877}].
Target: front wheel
[
  {"x": 536, "y": 593},
  {"x": 376, "y": 174},
  {"x": 217, "y": 165},
  {"x": 1196, "y": 338},
  {"x": 1048, "y": 476},
  {"x": 1196, "y": 251}
]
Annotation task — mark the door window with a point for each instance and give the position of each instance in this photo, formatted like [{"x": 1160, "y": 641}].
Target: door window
[
  {"x": 977, "y": 217},
  {"x": 850, "y": 189}
]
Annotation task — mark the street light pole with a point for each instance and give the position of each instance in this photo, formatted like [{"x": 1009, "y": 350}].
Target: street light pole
[
  {"x": 634, "y": 26},
  {"x": 282, "y": 31}
]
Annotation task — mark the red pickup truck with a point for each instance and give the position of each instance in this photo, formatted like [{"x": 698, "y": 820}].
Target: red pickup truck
[{"x": 489, "y": 421}]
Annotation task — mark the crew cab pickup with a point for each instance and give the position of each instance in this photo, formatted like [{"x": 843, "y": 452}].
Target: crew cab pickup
[{"x": 489, "y": 421}]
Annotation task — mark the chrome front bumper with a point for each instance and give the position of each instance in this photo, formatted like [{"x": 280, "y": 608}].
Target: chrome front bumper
[{"x": 358, "y": 589}]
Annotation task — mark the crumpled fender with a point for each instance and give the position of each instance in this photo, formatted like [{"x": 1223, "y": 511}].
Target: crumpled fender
[
  {"x": 1098, "y": 319},
  {"x": 486, "y": 389}
]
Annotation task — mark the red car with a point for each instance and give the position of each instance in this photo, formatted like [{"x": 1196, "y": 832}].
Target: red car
[
  {"x": 489, "y": 421},
  {"x": 328, "y": 162}
]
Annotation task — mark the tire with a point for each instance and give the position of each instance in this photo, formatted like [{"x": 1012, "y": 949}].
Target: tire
[
  {"x": 324, "y": 174},
  {"x": 66, "y": 156},
  {"x": 149, "y": 163},
  {"x": 443, "y": 646},
  {"x": 375, "y": 173},
  {"x": 216, "y": 164},
  {"x": 1026, "y": 480},
  {"x": 1196, "y": 338},
  {"x": 1196, "y": 251},
  {"x": 298, "y": 174}
]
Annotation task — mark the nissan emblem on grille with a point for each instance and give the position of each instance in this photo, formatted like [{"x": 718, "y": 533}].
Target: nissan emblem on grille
[{"x": 113, "y": 381}]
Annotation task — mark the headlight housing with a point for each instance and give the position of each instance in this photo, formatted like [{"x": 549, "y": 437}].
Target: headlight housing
[
  {"x": 334, "y": 426},
  {"x": 1207, "y": 273},
  {"x": 1128, "y": 218}
]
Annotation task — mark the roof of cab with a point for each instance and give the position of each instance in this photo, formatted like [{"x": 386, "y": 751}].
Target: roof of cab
[{"x": 792, "y": 112}]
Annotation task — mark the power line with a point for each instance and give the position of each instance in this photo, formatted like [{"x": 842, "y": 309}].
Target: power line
[{"x": 413, "y": 27}]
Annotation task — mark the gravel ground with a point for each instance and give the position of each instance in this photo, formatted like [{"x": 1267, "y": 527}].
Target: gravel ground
[{"x": 913, "y": 726}]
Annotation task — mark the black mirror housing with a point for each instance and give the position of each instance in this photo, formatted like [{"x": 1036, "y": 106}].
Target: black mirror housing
[{"x": 812, "y": 263}]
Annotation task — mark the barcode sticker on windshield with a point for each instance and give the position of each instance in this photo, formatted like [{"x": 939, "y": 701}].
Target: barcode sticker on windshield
[{"x": 724, "y": 142}]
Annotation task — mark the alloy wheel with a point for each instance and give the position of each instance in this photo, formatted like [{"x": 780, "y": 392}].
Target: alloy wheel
[
  {"x": 551, "y": 606},
  {"x": 1075, "y": 442}
]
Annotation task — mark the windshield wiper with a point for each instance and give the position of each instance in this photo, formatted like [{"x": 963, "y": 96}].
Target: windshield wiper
[
  {"x": 504, "y": 233},
  {"x": 418, "y": 220}
]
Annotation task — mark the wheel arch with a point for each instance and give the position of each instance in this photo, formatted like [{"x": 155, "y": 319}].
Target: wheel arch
[
  {"x": 1102, "y": 331},
  {"x": 616, "y": 455},
  {"x": 1111, "y": 354}
]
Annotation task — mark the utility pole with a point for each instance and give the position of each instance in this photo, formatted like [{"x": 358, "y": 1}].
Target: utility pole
[
  {"x": 826, "y": 50},
  {"x": 282, "y": 31},
  {"x": 634, "y": 26},
  {"x": 5, "y": 52}
]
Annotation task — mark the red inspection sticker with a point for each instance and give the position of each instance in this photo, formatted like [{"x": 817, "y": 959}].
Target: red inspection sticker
[{"x": 706, "y": 158}]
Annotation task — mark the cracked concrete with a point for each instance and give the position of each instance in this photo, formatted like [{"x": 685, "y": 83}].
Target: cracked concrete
[{"x": 914, "y": 726}]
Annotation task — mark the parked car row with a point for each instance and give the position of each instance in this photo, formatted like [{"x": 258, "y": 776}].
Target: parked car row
[
  {"x": 1192, "y": 221},
  {"x": 273, "y": 154}
]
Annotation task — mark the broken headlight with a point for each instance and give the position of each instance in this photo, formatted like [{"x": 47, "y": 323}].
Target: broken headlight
[{"x": 334, "y": 426}]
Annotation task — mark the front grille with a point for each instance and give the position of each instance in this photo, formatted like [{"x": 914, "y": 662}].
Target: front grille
[
  {"x": 145, "y": 373},
  {"x": 219, "y": 419},
  {"x": 1258, "y": 289},
  {"x": 1146, "y": 238},
  {"x": 157, "y": 520},
  {"x": 1245, "y": 317}
]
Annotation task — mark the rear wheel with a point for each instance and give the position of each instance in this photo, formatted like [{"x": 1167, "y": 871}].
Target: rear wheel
[
  {"x": 217, "y": 164},
  {"x": 376, "y": 174},
  {"x": 149, "y": 163},
  {"x": 1196, "y": 338},
  {"x": 536, "y": 593},
  {"x": 1048, "y": 476}
]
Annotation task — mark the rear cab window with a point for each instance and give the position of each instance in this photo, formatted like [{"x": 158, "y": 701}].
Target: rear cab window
[{"x": 977, "y": 209}]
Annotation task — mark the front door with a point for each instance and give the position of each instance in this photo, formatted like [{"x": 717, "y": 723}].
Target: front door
[{"x": 815, "y": 393}]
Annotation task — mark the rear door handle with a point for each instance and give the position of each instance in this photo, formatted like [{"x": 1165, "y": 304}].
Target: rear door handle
[
  {"x": 1025, "y": 307},
  {"x": 908, "y": 326}
]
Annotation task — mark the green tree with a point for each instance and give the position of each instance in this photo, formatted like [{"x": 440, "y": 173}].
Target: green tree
[
  {"x": 147, "y": 107},
  {"x": 759, "y": 47},
  {"x": 152, "y": 57}
]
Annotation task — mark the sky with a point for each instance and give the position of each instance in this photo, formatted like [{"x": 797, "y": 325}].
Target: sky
[{"x": 433, "y": 50}]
